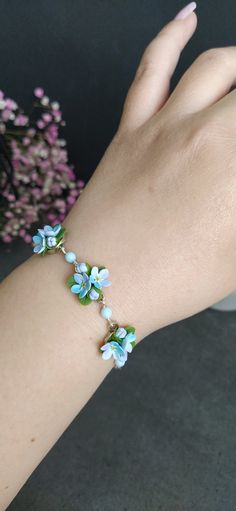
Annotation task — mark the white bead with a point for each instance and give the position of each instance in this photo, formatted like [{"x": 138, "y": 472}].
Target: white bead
[
  {"x": 70, "y": 257},
  {"x": 106, "y": 312}
]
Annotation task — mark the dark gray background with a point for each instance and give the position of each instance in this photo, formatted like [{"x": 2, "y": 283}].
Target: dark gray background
[{"x": 160, "y": 434}]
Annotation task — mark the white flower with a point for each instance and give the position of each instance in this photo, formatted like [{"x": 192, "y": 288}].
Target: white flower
[
  {"x": 55, "y": 105},
  {"x": 45, "y": 100}
]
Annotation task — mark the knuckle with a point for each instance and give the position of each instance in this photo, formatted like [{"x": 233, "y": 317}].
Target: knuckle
[
  {"x": 214, "y": 56},
  {"x": 200, "y": 133}
]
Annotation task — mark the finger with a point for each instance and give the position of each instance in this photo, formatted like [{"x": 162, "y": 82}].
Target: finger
[
  {"x": 150, "y": 87},
  {"x": 209, "y": 78},
  {"x": 225, "y": 109}
]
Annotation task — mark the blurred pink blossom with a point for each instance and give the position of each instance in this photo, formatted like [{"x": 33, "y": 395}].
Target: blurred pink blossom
[{"x": 46, "y": 183}]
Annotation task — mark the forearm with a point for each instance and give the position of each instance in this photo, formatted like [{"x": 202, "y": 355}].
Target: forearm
[
  {"x": 159, "y": 212},
  {"x": 49, "y": 364}
]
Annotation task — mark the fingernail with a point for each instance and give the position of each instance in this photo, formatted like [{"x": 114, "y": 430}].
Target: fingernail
[{"x": 186, "y": 11}]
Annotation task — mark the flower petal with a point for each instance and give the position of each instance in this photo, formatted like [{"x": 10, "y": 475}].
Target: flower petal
[
  {"x": 48, "y": 230},
  {"x": 83, "y": 292},
  {"x": 119, "y": 363},
  {"x": 107, "y": 353},
  {"x": 119, "y": 353},
  {"x": 104, "y": 274},
  {"x": 105, "y": 346},
  {"x": 94, "y": 271},
  {"x": 78, "y": 278},
  {"x": 127, "y": 346},
  {"x": 106, "y": 283},
  {"x": 41, "y": 232},
  {"x": 82, "y": 267},
  {"x": 37, "y": 239},
  {"x": 94, "y": 295},
  {"x": 130, "y": 337},
  {"x": 121, "y": 332},
  {"x": 37, "y": 249},
  {"x": 75, "y": 288}
]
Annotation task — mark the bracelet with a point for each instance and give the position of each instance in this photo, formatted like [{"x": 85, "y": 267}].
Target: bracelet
[{"x": 87, "y": 283}]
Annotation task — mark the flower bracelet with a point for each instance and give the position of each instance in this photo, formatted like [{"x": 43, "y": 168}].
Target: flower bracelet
[{"x": 87, "y": 283}]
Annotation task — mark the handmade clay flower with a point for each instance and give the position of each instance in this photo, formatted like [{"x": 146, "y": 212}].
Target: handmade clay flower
[
  {"x": 82, "y": 286},
  {"x": 46, "y": 238},
  {"x": 39, "y": 242},
  {"x": 99, "y": 278},
  {"x": 113, "y": 349},
  {"x": 127, "y": 342}
]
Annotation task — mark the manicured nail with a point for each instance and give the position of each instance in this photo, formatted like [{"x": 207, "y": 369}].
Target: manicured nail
[{"x": 186, "y": 11}]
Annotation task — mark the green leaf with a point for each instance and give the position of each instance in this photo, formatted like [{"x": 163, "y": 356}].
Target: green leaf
[
  {"x": 71, "y": 281},
  {"x": 84, "y": 301},
  {"x": 44, "y": 251},
  {"x": 60, "y": 235},
  {"x": 115, "y": 338},
  {"x": 130, "y": 329}
]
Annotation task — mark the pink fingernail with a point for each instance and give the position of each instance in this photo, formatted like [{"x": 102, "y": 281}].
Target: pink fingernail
[{"x": 186, "y": 11}]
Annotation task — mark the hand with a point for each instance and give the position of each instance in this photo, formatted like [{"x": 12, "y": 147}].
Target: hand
[{"x": 161, "y": 206}]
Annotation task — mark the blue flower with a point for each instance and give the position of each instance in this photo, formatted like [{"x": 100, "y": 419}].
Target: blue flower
[
  {"x": 113, "y": 349},
  {"x": 46, "y": 237},
  {"x": 82, "y": 286},
  {"x": 127, "y": 342},
  {"x": 99, "y": 278}
]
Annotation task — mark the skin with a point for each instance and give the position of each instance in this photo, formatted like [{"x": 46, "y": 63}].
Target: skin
[{"x": 160, "y": 213}]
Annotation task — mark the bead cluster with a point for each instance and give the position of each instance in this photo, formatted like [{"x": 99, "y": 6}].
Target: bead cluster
[{"x": 87, "y": 284}]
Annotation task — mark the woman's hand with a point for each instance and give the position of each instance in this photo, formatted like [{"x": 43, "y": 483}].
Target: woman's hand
[
  {"x": 160, "y": 213},
  {"x": 161, "y": 207}
]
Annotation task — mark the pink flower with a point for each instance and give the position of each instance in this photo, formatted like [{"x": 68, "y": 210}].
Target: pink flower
[
  {"x": 47, "y": 117},
  {"x": 21, "y": 120},
  {"x": 6, "y": 114},
  {"x": 38, "y": 156},
  {"x": 8, "y": 214},
  {"x": 40, "y": 124},
  {"x": 38, "y": 92},
  {"x": 51, "y": 134},
  {"x": 10, "y": 104},
  {"x": 71, "y": 200},
  {"x": 27, "y": 238},
  {"x": 51, "y": 216}
]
